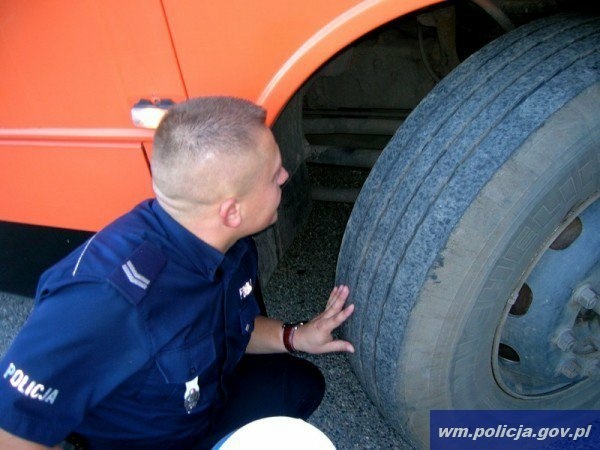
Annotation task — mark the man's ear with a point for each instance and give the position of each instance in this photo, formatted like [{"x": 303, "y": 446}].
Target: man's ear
[{"x": 230, "y": 213}]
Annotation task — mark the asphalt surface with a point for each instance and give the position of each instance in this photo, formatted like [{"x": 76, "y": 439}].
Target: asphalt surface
[{"x": 298, "y": 290}]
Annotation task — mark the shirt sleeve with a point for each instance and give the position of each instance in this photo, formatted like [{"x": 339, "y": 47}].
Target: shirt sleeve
[{"x": 79, "y": 343}]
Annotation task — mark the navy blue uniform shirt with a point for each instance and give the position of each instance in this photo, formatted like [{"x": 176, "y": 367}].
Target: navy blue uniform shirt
[{"x": 122, "y": 331}]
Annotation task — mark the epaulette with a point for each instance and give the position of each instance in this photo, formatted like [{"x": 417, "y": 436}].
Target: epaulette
[{"x": 135, "y": 276}]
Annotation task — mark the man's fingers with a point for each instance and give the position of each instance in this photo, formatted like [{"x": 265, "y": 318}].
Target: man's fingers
[
  {"x": 337, "y": 316},
  {"x": 338, "y": 293},
  {"x": 336, "y": 301},
  {"x": 338, "y": 346},
  {"x": 316, "y": 334},
  {"x": 341, "y": 316},
  {"x": 333, "y": 297}
]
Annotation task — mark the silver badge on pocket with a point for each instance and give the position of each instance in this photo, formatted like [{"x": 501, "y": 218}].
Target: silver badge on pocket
[{"x": 192, "y": 395}]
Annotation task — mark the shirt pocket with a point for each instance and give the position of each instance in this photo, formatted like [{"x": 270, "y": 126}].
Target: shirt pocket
[{"x": 176, "y": 367}]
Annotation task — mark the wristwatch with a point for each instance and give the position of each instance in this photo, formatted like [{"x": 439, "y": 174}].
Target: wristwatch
[{"x": 289, "y": 329}]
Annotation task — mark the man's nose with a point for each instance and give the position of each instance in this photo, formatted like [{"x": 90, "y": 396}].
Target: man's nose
[{"x": 283, "y": 177}]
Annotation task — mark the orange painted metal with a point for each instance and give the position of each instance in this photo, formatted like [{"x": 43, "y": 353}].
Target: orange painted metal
[
  {"x": 82, "y": 63},
  {"x": 70, "y": 71},
  {"x": 88, "y": 184},
  {"x": 265, "y": 50}
]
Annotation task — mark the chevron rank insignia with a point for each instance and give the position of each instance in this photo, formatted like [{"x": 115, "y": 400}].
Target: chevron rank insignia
[{"x": 135, "y": 275}]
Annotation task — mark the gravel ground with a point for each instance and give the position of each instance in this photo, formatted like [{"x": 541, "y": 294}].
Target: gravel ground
[{"x": 297, "y": 290}]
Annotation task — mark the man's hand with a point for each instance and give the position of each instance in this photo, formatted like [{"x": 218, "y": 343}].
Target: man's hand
[
  {"x": 312, "y": 337},
  {"x": 315, "y": 335},
  {"x": 12, "y": 442}
]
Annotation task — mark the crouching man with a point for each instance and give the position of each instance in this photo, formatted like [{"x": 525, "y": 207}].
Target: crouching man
[{"x": 149, "y": 336}]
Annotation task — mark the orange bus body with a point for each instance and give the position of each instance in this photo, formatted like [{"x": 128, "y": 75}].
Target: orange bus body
[{"x": 71, "y": 70}]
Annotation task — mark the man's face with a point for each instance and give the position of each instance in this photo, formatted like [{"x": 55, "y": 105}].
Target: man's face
[{"x": 261, "y": 202}]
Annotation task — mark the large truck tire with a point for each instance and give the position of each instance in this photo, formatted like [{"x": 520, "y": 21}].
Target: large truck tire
[{"x": 472, "y": 252}]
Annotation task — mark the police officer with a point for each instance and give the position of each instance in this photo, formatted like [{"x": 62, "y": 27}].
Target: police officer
[{"x": 150, "y": 335}]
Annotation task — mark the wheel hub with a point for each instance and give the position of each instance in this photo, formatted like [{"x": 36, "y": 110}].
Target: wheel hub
[{"x": 550, "y": 338}]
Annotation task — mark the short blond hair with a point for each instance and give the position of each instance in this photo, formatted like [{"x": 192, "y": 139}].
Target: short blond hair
[{"x": 197, "y": 131}]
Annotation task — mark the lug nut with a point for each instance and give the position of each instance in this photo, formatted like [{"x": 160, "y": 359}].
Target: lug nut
[
  {"x": 587, "y": 297},
  {"x": 592, "y": 368},
  {"x": 569, "y": 368},
  {"x": 565, "y": 340}
]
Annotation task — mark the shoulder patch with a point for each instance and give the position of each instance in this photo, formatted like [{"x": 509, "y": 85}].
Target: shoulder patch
[{"x": 135, "y": 275}]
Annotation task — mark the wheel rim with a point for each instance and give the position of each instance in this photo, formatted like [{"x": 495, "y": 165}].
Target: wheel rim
[{"x": 549, "y": 339}]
